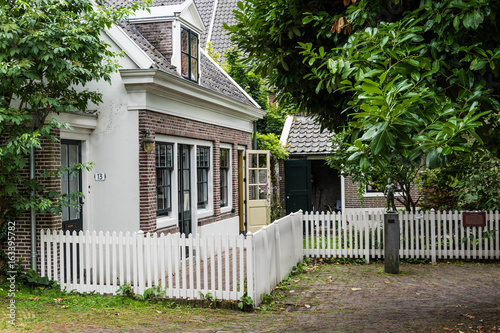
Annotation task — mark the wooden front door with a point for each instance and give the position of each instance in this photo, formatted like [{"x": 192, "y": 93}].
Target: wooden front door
[
  {"x": 258, "y": 189},
  {"x": 298, "y": 186}
]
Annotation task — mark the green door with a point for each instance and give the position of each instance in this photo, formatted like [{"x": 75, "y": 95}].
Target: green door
[{"x": 298, "y": 186}]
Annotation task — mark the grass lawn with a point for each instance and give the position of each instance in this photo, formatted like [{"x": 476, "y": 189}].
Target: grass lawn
[{"x": 53, "y": 310}]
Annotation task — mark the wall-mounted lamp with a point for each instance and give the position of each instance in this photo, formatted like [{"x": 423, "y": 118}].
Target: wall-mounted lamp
[{"x": 148, "y": 144}]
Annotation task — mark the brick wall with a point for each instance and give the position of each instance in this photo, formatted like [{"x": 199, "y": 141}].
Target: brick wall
[
  {"x": 159, "y": 34},
  {"x": 158, "y": 123},
  {"x": 352, "y": 200},
  {"x": 47, "y": 158}
]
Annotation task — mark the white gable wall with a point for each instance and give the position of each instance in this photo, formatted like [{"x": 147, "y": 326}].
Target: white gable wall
[{"x": 112, "y": 145}]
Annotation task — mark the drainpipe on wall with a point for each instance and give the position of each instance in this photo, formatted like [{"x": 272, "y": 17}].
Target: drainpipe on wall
[
  {"x": 255, "y": 135},
  {"x": 33, "y": 214},
  {"x": 33, "y": 211}
]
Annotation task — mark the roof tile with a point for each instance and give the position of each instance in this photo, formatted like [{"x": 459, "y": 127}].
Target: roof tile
[{"x": 306, "y": 137}]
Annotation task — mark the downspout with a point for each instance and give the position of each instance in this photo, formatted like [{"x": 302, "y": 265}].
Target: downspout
[
  {"x": 33, "y": 211},
  {"x": 33, "y": 214},
  {"x": 255, "y": 135}
]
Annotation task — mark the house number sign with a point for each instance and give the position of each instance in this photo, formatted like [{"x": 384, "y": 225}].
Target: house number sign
[{"x": 100, "y": 176}]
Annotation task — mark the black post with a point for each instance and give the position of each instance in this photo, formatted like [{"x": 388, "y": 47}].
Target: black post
[{"x": 391, "y": 242}]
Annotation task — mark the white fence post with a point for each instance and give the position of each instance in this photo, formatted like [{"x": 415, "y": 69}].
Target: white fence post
[
  {"x": 251, "y": 290},
  {"x": 277, "y": 246},
  {"x": 433, "y": 225},
  {"x": 140, "y": 263}
]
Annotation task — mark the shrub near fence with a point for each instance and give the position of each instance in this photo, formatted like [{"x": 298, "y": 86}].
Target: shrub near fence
[{"x": 428, "y": 235}]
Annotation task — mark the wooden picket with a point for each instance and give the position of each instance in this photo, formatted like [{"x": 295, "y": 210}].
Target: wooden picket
[
  {"x": 228, "y": 266},
  {"x": 425, "y": 235},
  {"x": 104, "y": 261}
]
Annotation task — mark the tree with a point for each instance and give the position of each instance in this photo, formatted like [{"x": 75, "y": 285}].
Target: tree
[
  {"x": 49, "y": 50},
  {"x": 254, "y": 85},
  {"x": 468, "y": 182},
  {"x": 404, "y": 171},
  {"x": 412, "y": 80},
  {"x": 268, "y": 33}
]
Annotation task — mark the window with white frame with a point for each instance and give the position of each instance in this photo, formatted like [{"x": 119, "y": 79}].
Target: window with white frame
[
  {"x": 372, "y": 190},
  {"x": 224, "y": 176},
  {"x": 189, "y": 54},
  {"x": 202, "y": 173},
  {"x": 164, "y": 167},
  {"x": 168, "y": 179}
]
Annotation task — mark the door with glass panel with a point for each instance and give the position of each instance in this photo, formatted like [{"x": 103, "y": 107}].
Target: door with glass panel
[
  {"x": 71, "y": 185},
  {"x": 184, "y": 179},
  {"x": 72, "y": 217},
  {"x": 258, "y": 189}
]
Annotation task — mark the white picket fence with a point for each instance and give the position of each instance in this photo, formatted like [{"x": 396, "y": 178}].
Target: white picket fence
[
  {"x": 184, "y": 267},
  {"x": 427, "y": 235},
  {"x": 228, "y": 266}
]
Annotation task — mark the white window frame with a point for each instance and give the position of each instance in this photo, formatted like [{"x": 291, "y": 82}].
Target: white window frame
[
  {"x": 379, "y": 194},
  {"x": 172, "y": 171},
  {"x": 196, "y": 214},
  {"x": 229, "y": 207},
  {"x": 189, "y": 75}
]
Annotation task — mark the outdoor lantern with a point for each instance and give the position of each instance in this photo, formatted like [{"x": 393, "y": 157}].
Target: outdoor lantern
[{"x": 148, "y": 144}]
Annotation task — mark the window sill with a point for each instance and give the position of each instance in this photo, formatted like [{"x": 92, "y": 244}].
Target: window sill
[
  {"x": 226, "y": 209},
  {"x": 165, "y": 222},
  {"x": 378, "y": 195},
  {"x": 205, "y": 212}
]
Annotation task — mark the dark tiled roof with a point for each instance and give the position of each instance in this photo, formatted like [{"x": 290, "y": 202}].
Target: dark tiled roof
[
  {"x": 218, "y": 81},
  {"x": 224, "y": 14},
  {"x": 306, "y": 137},
  {"x": 206, "y": 9}
]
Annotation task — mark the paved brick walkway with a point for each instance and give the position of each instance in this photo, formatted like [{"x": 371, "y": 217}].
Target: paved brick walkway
[{"x": 423, "y": 298}]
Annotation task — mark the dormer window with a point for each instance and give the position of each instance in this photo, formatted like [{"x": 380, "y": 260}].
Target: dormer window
[{"x": 189, "y": 56}]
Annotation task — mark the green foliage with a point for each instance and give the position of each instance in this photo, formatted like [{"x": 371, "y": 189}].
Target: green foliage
[
  {"x": 153, "y": 292},
  {"x": 300, "y": 268},
  {"x": 468, "y": 181},
  {"x": 365, "y": 171},
  {"x": 33, "y": 279},
  {"x": 272, "y": 143},
  {"x": 268, "y": 33},
  {"x": 245, "y": 301},
  {"x": 49, "y": 50},
  {"x": 245, "y": 76},
  {"x": 414, "y": 82},
  {"x": 273, "y": 120},
  {"x": 209, "y": 297},
  {"x": 126, "y": 290},
  {"x": 212, "y": 53}
]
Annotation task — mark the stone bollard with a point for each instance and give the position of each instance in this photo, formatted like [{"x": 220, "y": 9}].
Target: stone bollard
[{"x": 391, "y": 243}]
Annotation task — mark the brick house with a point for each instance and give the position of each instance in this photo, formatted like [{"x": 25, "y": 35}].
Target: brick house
[
  {"x": 171, "y": 92},
  {"x": 309, "y": 183}
]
